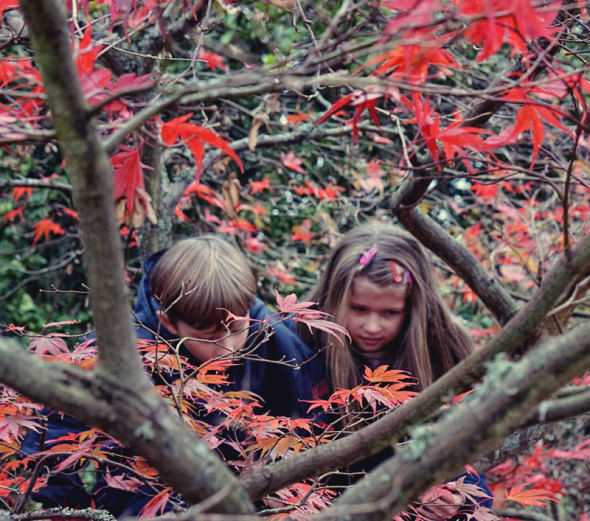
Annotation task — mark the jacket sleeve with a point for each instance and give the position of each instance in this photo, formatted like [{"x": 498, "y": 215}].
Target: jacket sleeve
[
  {"x": 481, "y": 481},
  {"x": 300, "y": 379}
]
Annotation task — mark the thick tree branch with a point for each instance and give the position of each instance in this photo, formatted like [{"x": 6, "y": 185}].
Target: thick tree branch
[
  {"x": 36, "y": 183},
  {"x": 520, "y": 332},
  {"x": 90, "y": 173},
  {"x": 139, "y": 419},
  {"x": 497, "y": 407},
  {"x": 64, "y": 513},
  {"x": 125, "y": 404},
  {"x": 455, "y": 254},
  {"x": 561, "y": 408}
]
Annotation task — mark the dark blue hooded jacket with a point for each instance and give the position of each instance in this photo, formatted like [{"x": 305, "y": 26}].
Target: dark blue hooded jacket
[{"x": 284, "y": 388}]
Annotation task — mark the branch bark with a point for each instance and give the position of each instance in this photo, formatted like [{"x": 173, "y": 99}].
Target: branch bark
[
  {"x": 139, "y": 419},
  {"x": 118, "y": 396},
  {"x": 521, "y": 331},
  {"x": 465, "y": 264},
  {"x": 496, "y": 408}
]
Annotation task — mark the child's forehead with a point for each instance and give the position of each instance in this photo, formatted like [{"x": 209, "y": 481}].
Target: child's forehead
[{"x": 364, "y": 287}]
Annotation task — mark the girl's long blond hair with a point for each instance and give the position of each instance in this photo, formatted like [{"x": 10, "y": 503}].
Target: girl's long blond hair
[{"x": 431, "y": 341}]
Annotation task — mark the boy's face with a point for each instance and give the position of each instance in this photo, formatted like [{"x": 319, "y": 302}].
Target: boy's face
[{"x": 213, "y": 342}]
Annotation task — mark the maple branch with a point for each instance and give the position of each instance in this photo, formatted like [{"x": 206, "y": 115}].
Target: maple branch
[
  {"x": 28, "y": 136},
  {"x": 136, "y": 416},
  {"x": 462, "y": 260},
  {"x": 522, "y": 330},
  {"x": 34, "y": 275},
  {"x": 562, "y": 408},
  {"x": 117, "y": 95},
  {"x": 256, "y": 82},
  {"x": 35, "y": 183},
  {"x": 240, "y": 85},
  {"x": 526, "y": 515},
  {"x": 494, "y": 410},
  {"x": 63, "y": 513},
  {"x": 304, "y": 132}
]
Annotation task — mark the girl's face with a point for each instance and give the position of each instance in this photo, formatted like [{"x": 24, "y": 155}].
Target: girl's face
[{"x": 376, "y": 314}]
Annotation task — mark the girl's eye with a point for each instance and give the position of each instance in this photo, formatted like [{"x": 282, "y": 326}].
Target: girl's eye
[{"x": 358, "y": 309}]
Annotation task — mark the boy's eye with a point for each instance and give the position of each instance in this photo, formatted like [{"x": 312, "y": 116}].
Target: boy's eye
[{"x": 237, "y": 327}]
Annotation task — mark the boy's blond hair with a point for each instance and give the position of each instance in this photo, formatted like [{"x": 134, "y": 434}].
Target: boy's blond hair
[{"x": 197, "y": 279}]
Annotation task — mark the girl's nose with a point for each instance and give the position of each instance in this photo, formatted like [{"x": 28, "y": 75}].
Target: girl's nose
[{"x": 372, "y": 324}]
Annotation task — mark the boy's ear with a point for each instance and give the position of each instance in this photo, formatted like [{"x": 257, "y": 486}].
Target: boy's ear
[{"x": 167, "y": 323}]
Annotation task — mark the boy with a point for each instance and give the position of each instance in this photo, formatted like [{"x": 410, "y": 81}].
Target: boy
[
  {"x": 186, "y": 293},
  {"x": 183, "y": 301}
]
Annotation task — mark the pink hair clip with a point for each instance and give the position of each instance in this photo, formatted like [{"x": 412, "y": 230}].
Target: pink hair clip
[
  {"x": 368, "y": 255},
  {"x": 398, "y": 274}
]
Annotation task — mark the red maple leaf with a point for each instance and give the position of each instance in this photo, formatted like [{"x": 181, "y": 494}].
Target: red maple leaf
[
  {"x": 454, "y": 138},
  {"x": 44, "y": 228},
  {"x": 486, "y": 191},
  {"x": 194, "y": 137},
  {"x": 412, "y": 62},
  {"x": 242, "y": 224},
  {"x": 525, "y": 21},
  {"x": 384, "y": 374},
  {"x": 215, "y": 61},
  {"x": 128, "y": 176},
  {"x": 156, "y": 504},
  {"x": 72, "y": 213},
  {"x": 312, "y": 318},
  {"x": 204, "y": 192},
  {"x": 119, "y": 481},
  {"x": 363, "y": 100},
  {"x": 280, "y": 272},
  {"x": 254, "y": 245},
  {"x": 13, "y": 214},
  {"x": 21, "y": 191},
  {"x": 87, "y": 53},
  {"x": 290, "y": 160},
  {"x": 530, "y": 116},
  {"x": 530, "y": 497},
  {"x": 11, "y": 426},
  {"x": 302, "y": 232},
  {"x": 257, "y": 187},
  {"x": 297, "y": 119},
  {"x": 51, "y": 344}
]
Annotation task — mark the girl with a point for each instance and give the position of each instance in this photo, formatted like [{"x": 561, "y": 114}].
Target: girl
[{"x": 379, "y": 285}]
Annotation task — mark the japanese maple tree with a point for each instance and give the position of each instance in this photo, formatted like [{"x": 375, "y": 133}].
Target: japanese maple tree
[{"x": 285, "y": 123}]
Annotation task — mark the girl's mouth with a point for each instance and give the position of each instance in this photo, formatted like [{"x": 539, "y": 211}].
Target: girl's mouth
[{"x": 371, "y": 341}]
